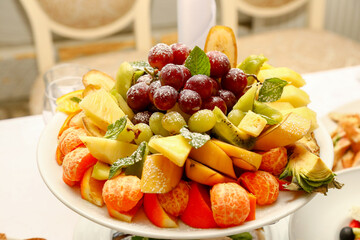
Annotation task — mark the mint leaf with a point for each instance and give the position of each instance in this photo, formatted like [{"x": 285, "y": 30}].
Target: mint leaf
[
  {"x": 138, "y": 155},
  {"x": 114, "y": 129},
  {"x": 241, "y": 236},
  {"x": 197, "y": 140},
  {"x": 197, "y": 62},
  {"x": 271, "y": 90},
  {"x": 75, "y": 99},
  {"x": 141, "y": 65}
]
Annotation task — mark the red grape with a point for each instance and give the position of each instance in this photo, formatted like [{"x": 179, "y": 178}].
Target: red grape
[
  {"x": 147, "y": 78},
  {"x": 172, "y": 75},
  {"x": 216, "y": 87},
  {"x": 181, "y": 52},
  {"x": 160, "y": 55},
  {"x": 165, "y": 97},
  {"x": 153, "y": 86},
  {"x": 229, "y": 98},
  {"x": 186, "y": 72},
  {"x": 138, "y": 96},
  {"x": 215, "y": 101},
  {"x": 189, "y": 101},
  {"x": 219, "y": 64},
  {"x": 235, "y": 80},
  {"x": 141, "y": 117},
  {"x": 201, "y": 84}
]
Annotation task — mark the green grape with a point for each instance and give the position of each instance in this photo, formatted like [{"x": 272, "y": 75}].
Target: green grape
[
  {"x": 152, "y": 150},
  {"x": 127, "y": 135},
  {"x": 143, "y": 133},
  {"x": 173, "y": 122},
  {"x": 156, "y": 126},
  {"x": 202, "y": 121},
  {"x": 235, "y": 116},
  {"x": 124, "y": 78}
]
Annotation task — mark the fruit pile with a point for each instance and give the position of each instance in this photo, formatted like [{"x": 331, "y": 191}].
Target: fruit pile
[{"x": 189, "y": 135}]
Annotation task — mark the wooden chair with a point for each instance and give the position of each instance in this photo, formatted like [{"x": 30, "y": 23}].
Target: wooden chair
[
  {"x": 305, "y": 49},
  {"x": 230, "y": 9},
  {"x": 43, "y": 26}
]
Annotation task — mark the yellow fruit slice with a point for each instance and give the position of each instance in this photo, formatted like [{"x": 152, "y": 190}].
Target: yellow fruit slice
[
  {"x": 69, "y": 103},
  {"x": 222, "y": 38}
]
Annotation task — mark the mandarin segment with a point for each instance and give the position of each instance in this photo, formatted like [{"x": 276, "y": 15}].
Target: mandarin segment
[
  {"x": 230, "y": 204},
  {"x": 262, "y": 184},
  {"x": 274, "y": 161},
  {"x": 175, "y": 201},
  {"x": 122, "y": 193},
  {"x": 76, "y": 163},
  {"x": 70, "y": 139}
]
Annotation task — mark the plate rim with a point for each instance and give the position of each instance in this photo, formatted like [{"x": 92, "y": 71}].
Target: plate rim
[
  {"x": 293, "y": 216},
  {"x": 164, "y": 233},
  {"x": 330, "y": 126}
]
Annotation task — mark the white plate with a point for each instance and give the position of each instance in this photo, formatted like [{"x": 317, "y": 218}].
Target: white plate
[
  {"x": 51, "y": 172},
  {"x": 352, "y": 107},
  {"x": 325, "y": 216}
]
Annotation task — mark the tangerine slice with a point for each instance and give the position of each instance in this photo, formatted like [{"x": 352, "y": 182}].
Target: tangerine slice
[
  {"x": 230, "y": 204},
  {"x": 68, "y": 103},
  {"x": 122, "y": 193},
  {"x": 222, "y": 38}
]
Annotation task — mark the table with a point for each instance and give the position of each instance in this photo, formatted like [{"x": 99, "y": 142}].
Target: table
[{"x": 28, "y": 209}]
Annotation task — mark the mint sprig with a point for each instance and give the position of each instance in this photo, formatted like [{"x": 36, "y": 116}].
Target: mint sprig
[
  {"x": 141, "y": 65},
  {"x": 271, "y": 90},
  {"x": 197, "y": 140},
  {"x": 114, "y": 129},
  {"x": 198, "y": 62},
  {"x": 75, "y": 99},
  {"x": 137, "y": 156}
]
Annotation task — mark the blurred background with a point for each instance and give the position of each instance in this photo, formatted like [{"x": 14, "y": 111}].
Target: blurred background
[{"x": 308, "y": 36}]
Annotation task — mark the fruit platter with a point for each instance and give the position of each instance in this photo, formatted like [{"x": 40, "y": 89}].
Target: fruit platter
[{"x": 189, "y": 143}]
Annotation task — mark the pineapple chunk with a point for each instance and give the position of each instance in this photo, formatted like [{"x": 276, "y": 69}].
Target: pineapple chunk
[
  {"x": 305, "y": 112},
  {"x": 280, "y": 105},
  {"x": 176, "y": 148},
  {"x": 101, "y": 108},
  {"x": 252, "y": 124},
  {"x": 108, "y": 150},
  {"x": 295, "y": 96},
  {"x": 283, "y": 73}
]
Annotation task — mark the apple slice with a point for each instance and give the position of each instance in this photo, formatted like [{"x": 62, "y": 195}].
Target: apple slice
[
  {"x": 160, "y": 175},
  {"x": 156, "y": 214},
  {"x": 203, "y": 174},
  {"x": 291, "y": 129},
  {"x": 125, "y": 216},
  {"x": 222, "y": 38},
  {"x": 108, "y": 150},
  {"x": 91, "y": 189},
  {"x": 198, "y": 212},
  {"x": 91, "y": 128}
]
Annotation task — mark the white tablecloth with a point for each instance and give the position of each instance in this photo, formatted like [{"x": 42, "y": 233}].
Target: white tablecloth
[{"x": 28, "y": 209}]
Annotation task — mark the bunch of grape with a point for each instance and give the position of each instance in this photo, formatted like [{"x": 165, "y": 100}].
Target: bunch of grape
[{"x": 173, "y": 86}]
